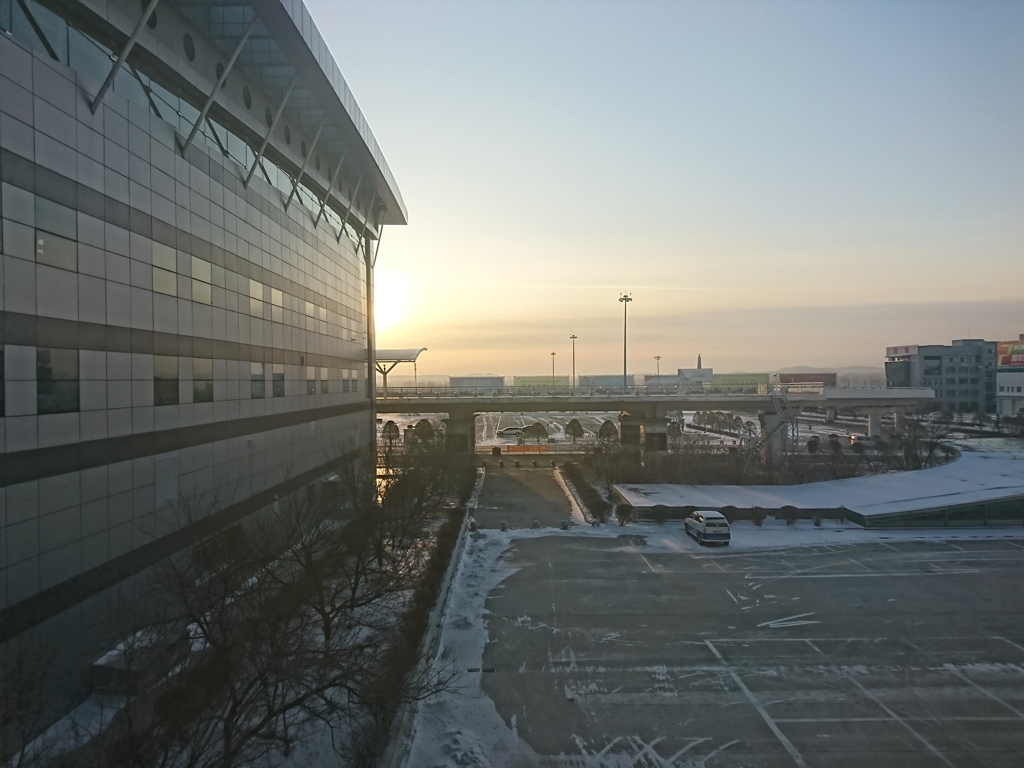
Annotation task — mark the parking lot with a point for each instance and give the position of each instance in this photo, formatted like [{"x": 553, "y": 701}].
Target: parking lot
[{"x": 604, "y": 652}]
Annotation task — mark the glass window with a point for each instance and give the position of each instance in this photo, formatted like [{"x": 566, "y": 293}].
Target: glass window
[
  {"x": 165, "y": 380},
  {"x": 56, "y": 380},
  {"x": 2, "y": 387},
  {"x": 255, "y": 298},
  {"x": 344, "y": 379},
  {"x": 164, "y": 257},
  {"x": 278, "y": 382},
  {"x": 257, "y": 382},
  {"x": 202, "y": 380},
  {"x": 310, "y": 380},
  {"x": 202, "y": 292},
  {"x": 56, "y": 251},
  {"x": 165, "y": 282},
  {"x": 56, "y": 218},
  {"x": 324, "y": 388},
  {"x": 277, "y": 305},
  {"x": 309, "y": 316},
  {"x": 201, "y": 270}
]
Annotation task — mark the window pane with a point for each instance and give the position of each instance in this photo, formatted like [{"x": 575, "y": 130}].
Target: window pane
[
  {"x": 201, "y": 270},
  {"x": 202, "y": 380},
  {"x": 56, "y": 251},
  {"x": 310, "y": 380},
  {"x": 257, "y": 384},
  {"x": 276, "y": 297},
  {"x": 56, "y": 380},
  {"x": 278, "y": 380},
  {"x": 163, "y": 257},
  {"x": 323, "y": 381},
  {"x": 165, "y": 282},
  {"x": 165, "y": 380},
  {"x": 202, "y": 292},
  {"x": 277, "y": 314},
  {"x": 57, "y": 219},
  {"x": 255, "y": 290},
  {"x": 255, "y": 307}
]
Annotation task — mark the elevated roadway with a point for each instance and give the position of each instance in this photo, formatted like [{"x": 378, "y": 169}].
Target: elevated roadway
[{"x": 642, "y": 410}]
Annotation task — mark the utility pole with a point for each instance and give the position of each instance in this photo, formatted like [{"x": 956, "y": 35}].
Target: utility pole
[
  {"x": 552, "y": 369},
  {"x": 625, "y": 299},
  {"x": 573, "y": 382},
  {"x": 658, "y": 358}
]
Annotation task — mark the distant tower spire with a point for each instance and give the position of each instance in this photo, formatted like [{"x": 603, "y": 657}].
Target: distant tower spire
[{"x": 698, "y": 361}]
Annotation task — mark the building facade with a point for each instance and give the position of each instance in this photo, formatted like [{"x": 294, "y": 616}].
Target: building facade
[
  {"x": 477, "y": 381},
  {"x": 1010, "y": 378},
  {"x": 963, "y": 373},
  {"x": 191, "y": 201}
]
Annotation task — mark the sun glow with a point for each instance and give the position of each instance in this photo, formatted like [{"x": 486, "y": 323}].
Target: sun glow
[{"x": 392, "y": 299}]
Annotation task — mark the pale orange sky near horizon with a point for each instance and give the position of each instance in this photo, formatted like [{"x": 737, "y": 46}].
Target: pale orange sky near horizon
[{"x": 775, "y": 184}]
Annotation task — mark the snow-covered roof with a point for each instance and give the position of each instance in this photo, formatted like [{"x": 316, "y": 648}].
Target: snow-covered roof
[{"x": 974, "y": 477}]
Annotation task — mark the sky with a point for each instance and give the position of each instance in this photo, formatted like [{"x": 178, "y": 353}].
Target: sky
[{"x": 774, "y": 183}]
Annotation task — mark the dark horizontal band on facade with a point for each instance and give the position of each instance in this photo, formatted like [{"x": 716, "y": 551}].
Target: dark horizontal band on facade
[
  {"x": 38, "y": 463},
  {"x": 35, "y": 331},
  {"x": 31, "y": 177},
  {"x": 34, "y": 610}
]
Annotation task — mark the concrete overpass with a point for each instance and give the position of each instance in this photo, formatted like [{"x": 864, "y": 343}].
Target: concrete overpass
[{"x": 644, "y": 411}]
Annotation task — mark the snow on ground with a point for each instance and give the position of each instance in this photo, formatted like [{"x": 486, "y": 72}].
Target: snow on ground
[{"x": 463, "y": 728}]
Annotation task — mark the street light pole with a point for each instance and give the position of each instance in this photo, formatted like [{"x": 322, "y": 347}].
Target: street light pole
[
  {"x": 552, "y": 369},
  {"x": 573, "y": 382},
  {"x": 625, "y": 299},
  {"x": 658, "y": 358}
]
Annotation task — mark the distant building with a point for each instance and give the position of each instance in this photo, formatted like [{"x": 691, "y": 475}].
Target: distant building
[
  {"x": 478, "y": 381},
  {"x": 740, "y": 382},
  {"x": 702, "y": 376},
  {"x": 545, "y": 381},
  {"x": 1010, "y": 377},
  {"x": 605, "y": 381},
  {"x": 826, "y": 379},
  {"x": 963, "y": 373}
]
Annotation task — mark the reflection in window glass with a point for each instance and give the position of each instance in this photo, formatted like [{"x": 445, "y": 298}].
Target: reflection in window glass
[
  {"x": 277, "y": 308},
  {"x": 278, "y": 379},
  {"x": 56, "y": 218},
  {"x": 257, "y": 382},
  {"x": 165, "y": 282},
  {"x": 56, "y": 251},
  {"x": 201, "y": 270},
  {"x": 202, "y": 292},
  {"x": 164, "y": 257},
  {"x": 202, "y": 380},
  {"x": 56, "y": 380},
  {"x": 344, "y": 379},
  {"x": 1, "y": 348},
  {"x": 310, "y": 380},
  {"x": 165, "y": 380},
  {"x": 323, "y": 381}
]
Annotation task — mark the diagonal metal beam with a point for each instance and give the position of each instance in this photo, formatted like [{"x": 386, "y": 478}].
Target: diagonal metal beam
[
  {"x": 220, "y": 81},
  {"x": 270, "y": 132},
  {"x": 348, "y": 210},
  {"x": 98, "y": 99},
  {"x": 305, "y": 162},
  {"x": 330, "y": 188}
]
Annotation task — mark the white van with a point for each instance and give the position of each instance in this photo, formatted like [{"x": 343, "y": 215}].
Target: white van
[
  {"x": 511, "y": 431},
  {"x": 707, "y": 526}
]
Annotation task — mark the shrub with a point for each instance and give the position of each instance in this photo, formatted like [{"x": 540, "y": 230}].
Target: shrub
[{"x": 758, "y": 515}]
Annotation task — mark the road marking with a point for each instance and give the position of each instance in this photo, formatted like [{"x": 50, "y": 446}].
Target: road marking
[
  {"x": 730, "y": 594},
  {"x": 786, "y": 743},
  {"x": 861, "y": 565},
  {"x": 1018, "y": 647},
  {"x": 929, "y": 719},
  {"x": 896, "y": 717},
  {"x": 788, "y": 621},
  {"x": 873, "y": 574},
  {"x": 816, "y": 648},
  {"x": 1014, "y": 544},
  {"x": 952, "y": 668}
]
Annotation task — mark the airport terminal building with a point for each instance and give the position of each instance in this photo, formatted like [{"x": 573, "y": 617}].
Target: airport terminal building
[{"x": 191, "y": 206}]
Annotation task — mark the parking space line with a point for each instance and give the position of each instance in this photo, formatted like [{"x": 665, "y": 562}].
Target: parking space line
[
  {"x": 785, "y": 742},
  {"x": 952, "y": 668},
  {"x": 861, "y": 565},
  {"x": 931, "y": 747},
  {"x": 1010, "y": 642},
  {"x": 929, "y": 719}
]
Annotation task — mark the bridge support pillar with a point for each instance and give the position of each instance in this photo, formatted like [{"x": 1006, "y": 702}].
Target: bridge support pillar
[
  {"x": 655, "y": 434},
  {"x": 830, "y": 415},
  {"x": 773, "y": 449},
  {"x": 460, "y": 432},
  {"x": 875, "y": 422},
  {"x": 630, "y": 432}
]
